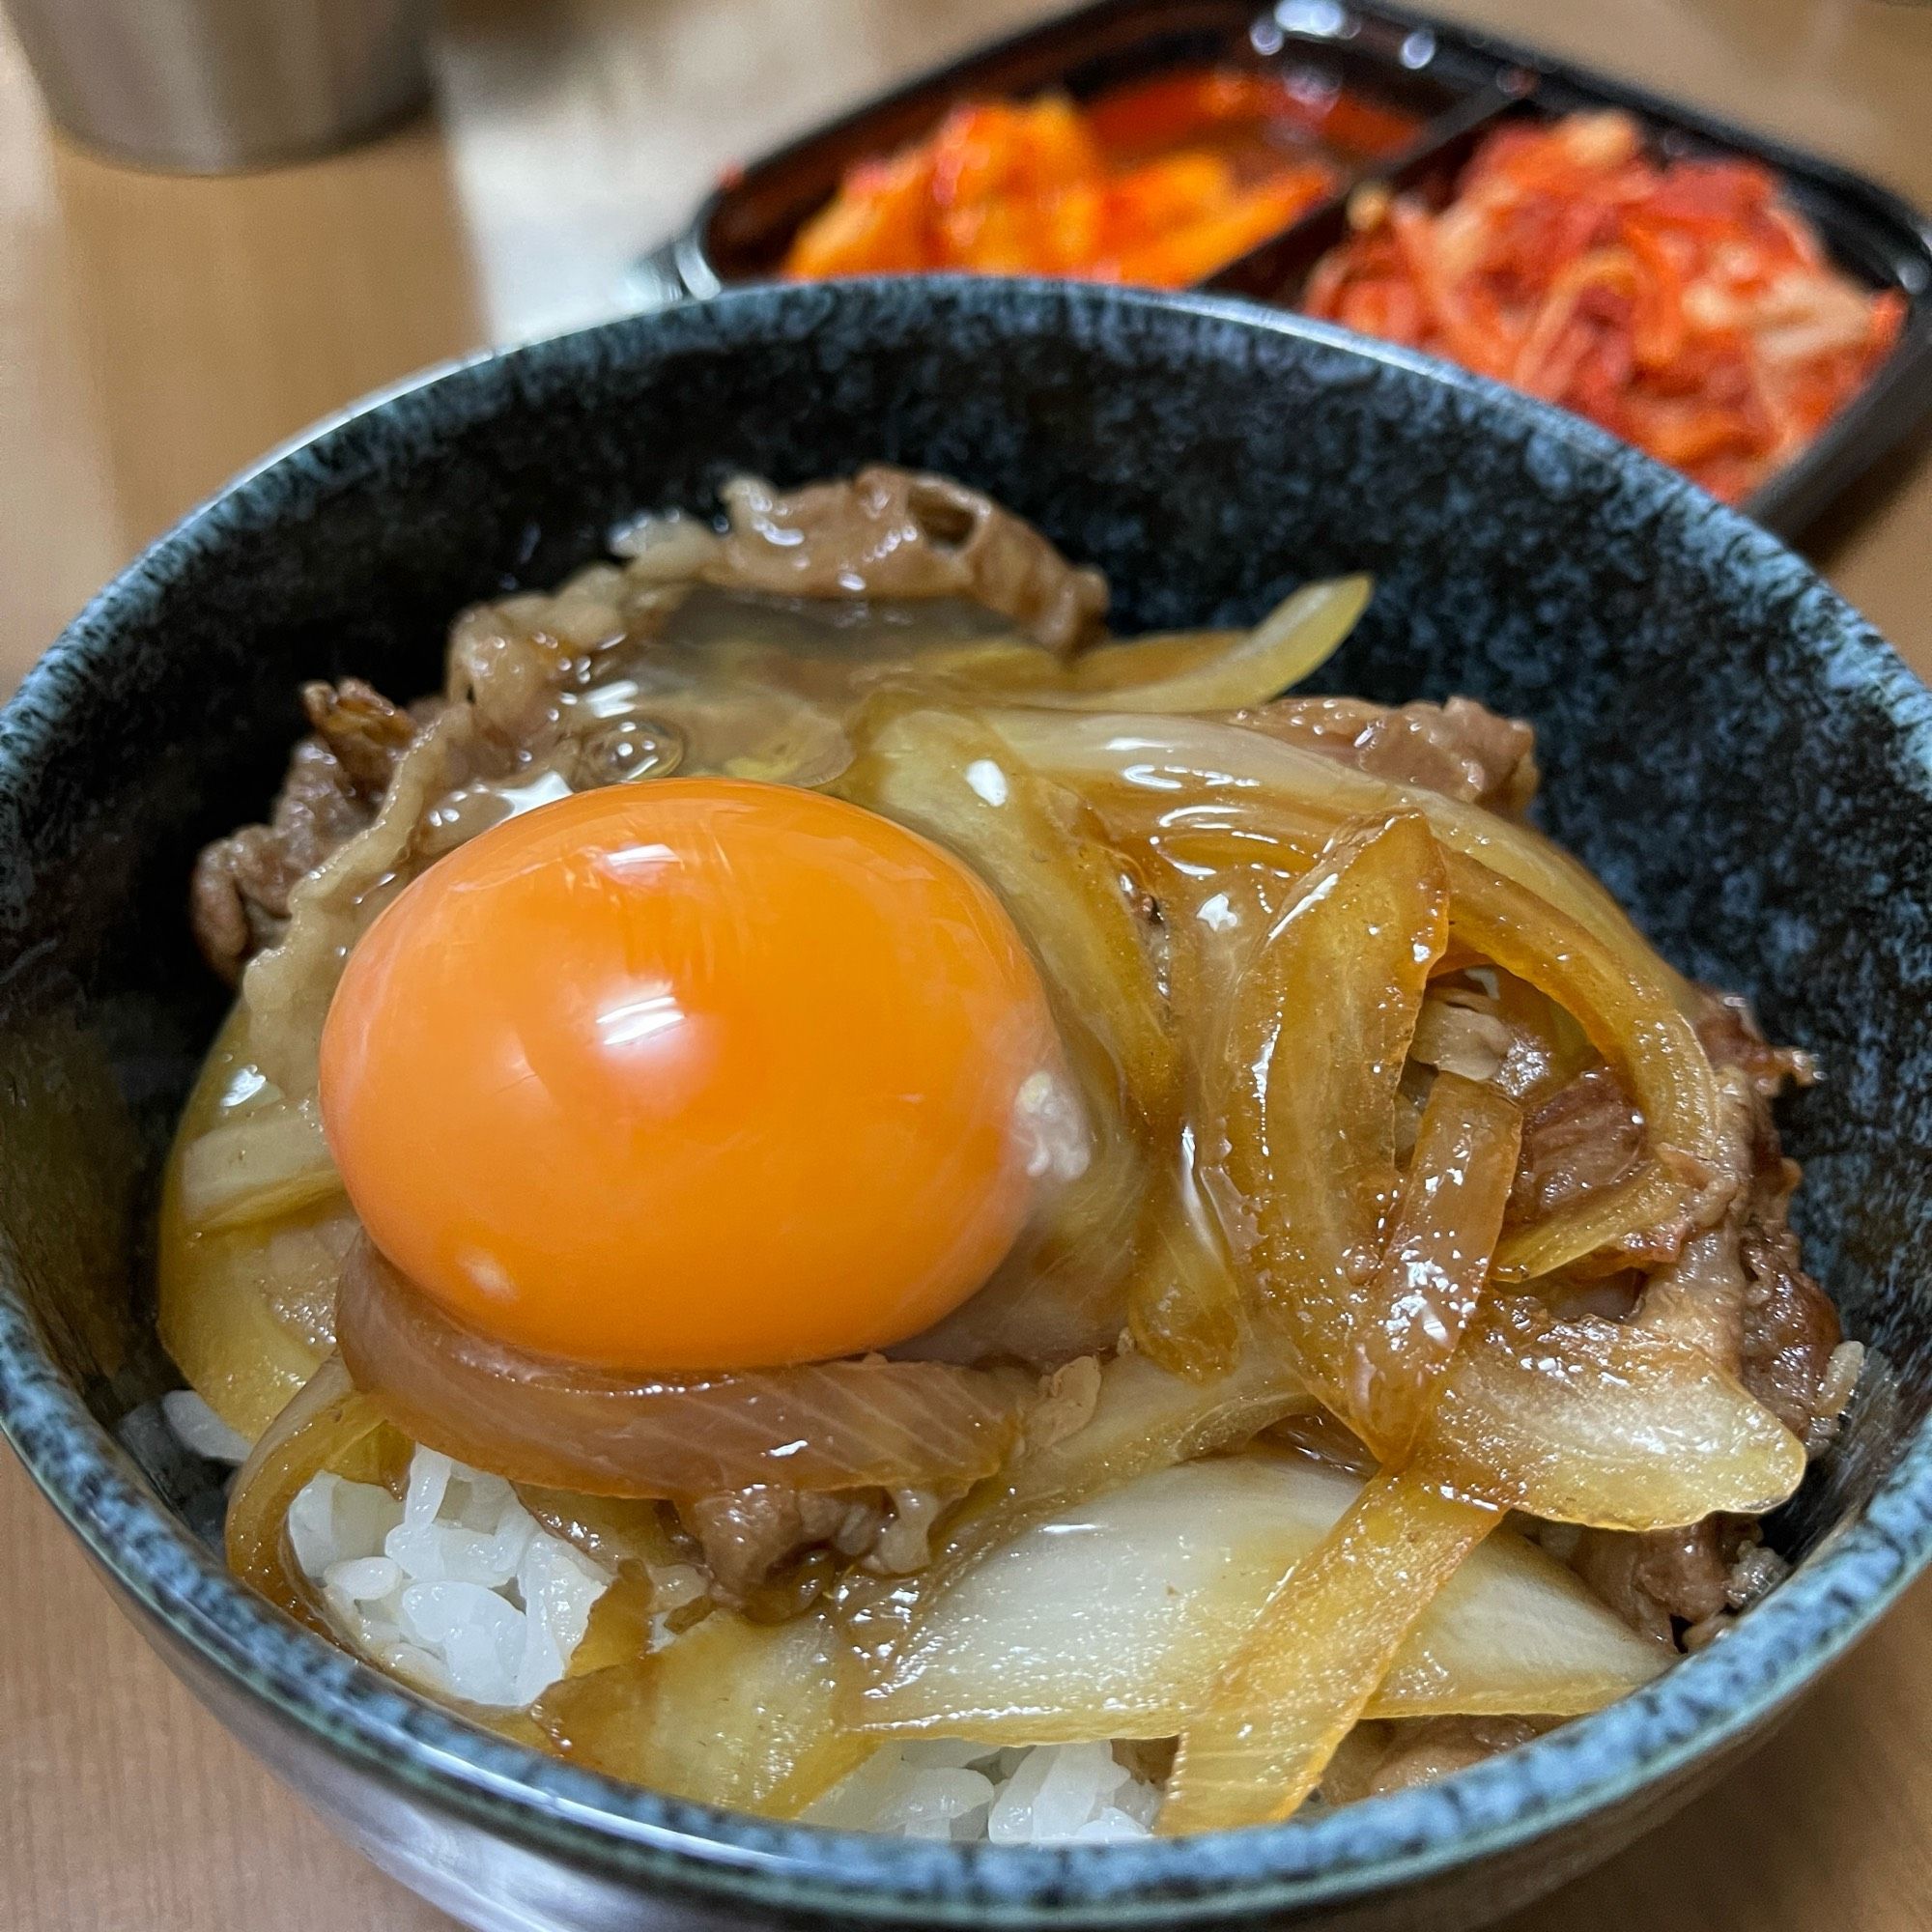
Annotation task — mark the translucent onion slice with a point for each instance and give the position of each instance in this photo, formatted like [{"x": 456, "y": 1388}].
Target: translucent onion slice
[
  {"x": 1185, "y": 1305},
  {"x": 249, "y": 1314},
  {"x": 1215, "y": 671},
  {"x": 1160, "y": 757},
  {"x": 1622, "y": 1003},
  {"x": 271, "y": 1163},
  {"x": 1313, "y": 1659},
  {"x": 1623, "y": 1007},
  {"x": 1589, "y": 1421},
  {"x": 819, "y": 1426},
  {"x": 730, "y": 1713},
  {"x": 239, "y": 1309},
  {"x": 328, "y": 1422},
  {"x": 1515, "y": 898},
  {"x": 1436, "y": 1260},
  {"x": 1313, "y": 1057},
  {"x": 1113, "y": 1621},
  {"x": 1043, "y": 851},
  {"x": 1047, "y": 856},
  {"x": 1144, "y": 1419}
]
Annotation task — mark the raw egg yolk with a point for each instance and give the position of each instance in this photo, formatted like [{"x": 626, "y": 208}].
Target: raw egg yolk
[{"x": 690, "y": 1074}]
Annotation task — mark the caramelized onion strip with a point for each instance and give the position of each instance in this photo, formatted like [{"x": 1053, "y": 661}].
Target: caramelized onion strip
[
  {"x": 1620, "y": 998},
  {"x": 1162, "y": 757},
  {"x": 1515, "y": 898},
  {"x": 1306, "y": 1173},
  {"x": 819, "y": 1426},
  {"x": 1214, "y": 671},
  {"x": 328, "y": 1420},
  {"x": 1437, "y": 1258},
  {"x": 1144, "y": 1419},
  {"x": 1044, "y": 850},
  {"x": 729, "y": 1713},
  {"x": 1589, "y": 1421},
  {"x": 1317, "y": 1653}
]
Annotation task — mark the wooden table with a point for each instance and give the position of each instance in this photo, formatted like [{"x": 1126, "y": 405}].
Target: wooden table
[{"x": 156, "y": 334}]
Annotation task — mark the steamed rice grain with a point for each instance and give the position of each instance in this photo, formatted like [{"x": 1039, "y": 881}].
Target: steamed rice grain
[
  {"x": 454, "y": 1587},
  {"x": 1024, "y": 1795}
]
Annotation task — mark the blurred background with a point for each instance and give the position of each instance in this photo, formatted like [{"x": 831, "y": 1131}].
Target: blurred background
[{"x": 158, "y": 331}]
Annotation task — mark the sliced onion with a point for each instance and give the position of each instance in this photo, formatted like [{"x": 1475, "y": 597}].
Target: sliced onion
[
  {"x": 730, "y": 1713},
  {"x": 249, "y": 1314},
  {"x": 240, "y": 1310},
  {"x": 1588, "y": 1421},
  {"x": 1157, "y": 757},
  {"x": 1217, "y": 670},
  {"x": 1619, "y": 998},
  {"x": 1047, "y": 857},
  {"x": 1185, "y": 1307},
  {"x": 1040, "y": 849},
  {"x": 1515, "y": 898},
  {"x": 1437, "y": 1259},
  {"x": 271, "y": 1163},
  {"x": 1144, "y": 1419},
  {"x": 1113, "y": 1621},
  {"x": 819, "y": 1426},
  {"x": 329, "y": 1421},
  {"x": 1313, "y": 1055},
  {"x": 1313, "y": 1659}
]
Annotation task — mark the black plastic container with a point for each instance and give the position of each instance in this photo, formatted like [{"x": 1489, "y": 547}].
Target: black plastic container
[{"x": 1456, "y": 82}]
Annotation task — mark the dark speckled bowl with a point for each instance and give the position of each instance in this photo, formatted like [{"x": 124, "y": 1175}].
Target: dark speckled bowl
[{"x": 1743, "y": 761}]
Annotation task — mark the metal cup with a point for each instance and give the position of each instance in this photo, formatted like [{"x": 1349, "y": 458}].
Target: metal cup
[{"x": 208, "y": 86}]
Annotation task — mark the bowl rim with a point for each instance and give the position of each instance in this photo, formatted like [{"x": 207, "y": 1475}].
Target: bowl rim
[{"x": 1704, "y": 1703}]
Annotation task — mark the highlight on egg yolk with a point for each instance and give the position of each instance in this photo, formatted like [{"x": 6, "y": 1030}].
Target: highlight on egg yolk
[{"x": 691, "y": 1074}]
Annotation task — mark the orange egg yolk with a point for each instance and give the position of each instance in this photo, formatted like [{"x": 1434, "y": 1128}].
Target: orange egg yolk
[{"x": 690, "y": 1074}]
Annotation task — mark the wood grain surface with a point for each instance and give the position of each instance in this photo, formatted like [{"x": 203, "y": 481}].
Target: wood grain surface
[{"x": 157, "y": 334}]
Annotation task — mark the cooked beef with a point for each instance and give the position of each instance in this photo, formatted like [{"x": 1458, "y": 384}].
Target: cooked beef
[
  {"x": 364, "y": 731},
  {"x": 1678, "y": 1585},
  {"x": 1698, "y": 1297},
  {"x": 1732, "y": 1037},
  {"x": 1587, "y": 1136},
  {"x": 239, "y": 896},
  {"x": 898, "y": 533},
  {"x": 1462, "y": 748},
  {"x": 1728, "y": 1277},
  {"x": 1736, "y": 1290},
  {"x": 758, "y": 1543},
  {"x": 290, "y": 984},
  {"x": 747, "y": 1534},
  {"x": 1420, "y": 1749},
  {"x": 1790, "y": 1328},
  {"x": 1652, "y": 1578}
]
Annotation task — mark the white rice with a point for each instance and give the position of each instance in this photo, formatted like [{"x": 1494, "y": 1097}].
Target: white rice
[
  {"x": 1033, "y": 1795},
  {"x": 457, "y": 1590},
  {"x": 455, "y": 1587}
]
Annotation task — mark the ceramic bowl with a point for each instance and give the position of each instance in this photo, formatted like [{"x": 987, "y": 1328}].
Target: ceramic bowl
[{"x": 1742, "y": 759}]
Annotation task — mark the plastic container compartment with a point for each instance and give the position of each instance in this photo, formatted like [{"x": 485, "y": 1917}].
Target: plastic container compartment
[{"x": 1456, "y": 83}]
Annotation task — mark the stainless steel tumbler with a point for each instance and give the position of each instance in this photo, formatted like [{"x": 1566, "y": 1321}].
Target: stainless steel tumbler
[{"x": 207, "y": 86}]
